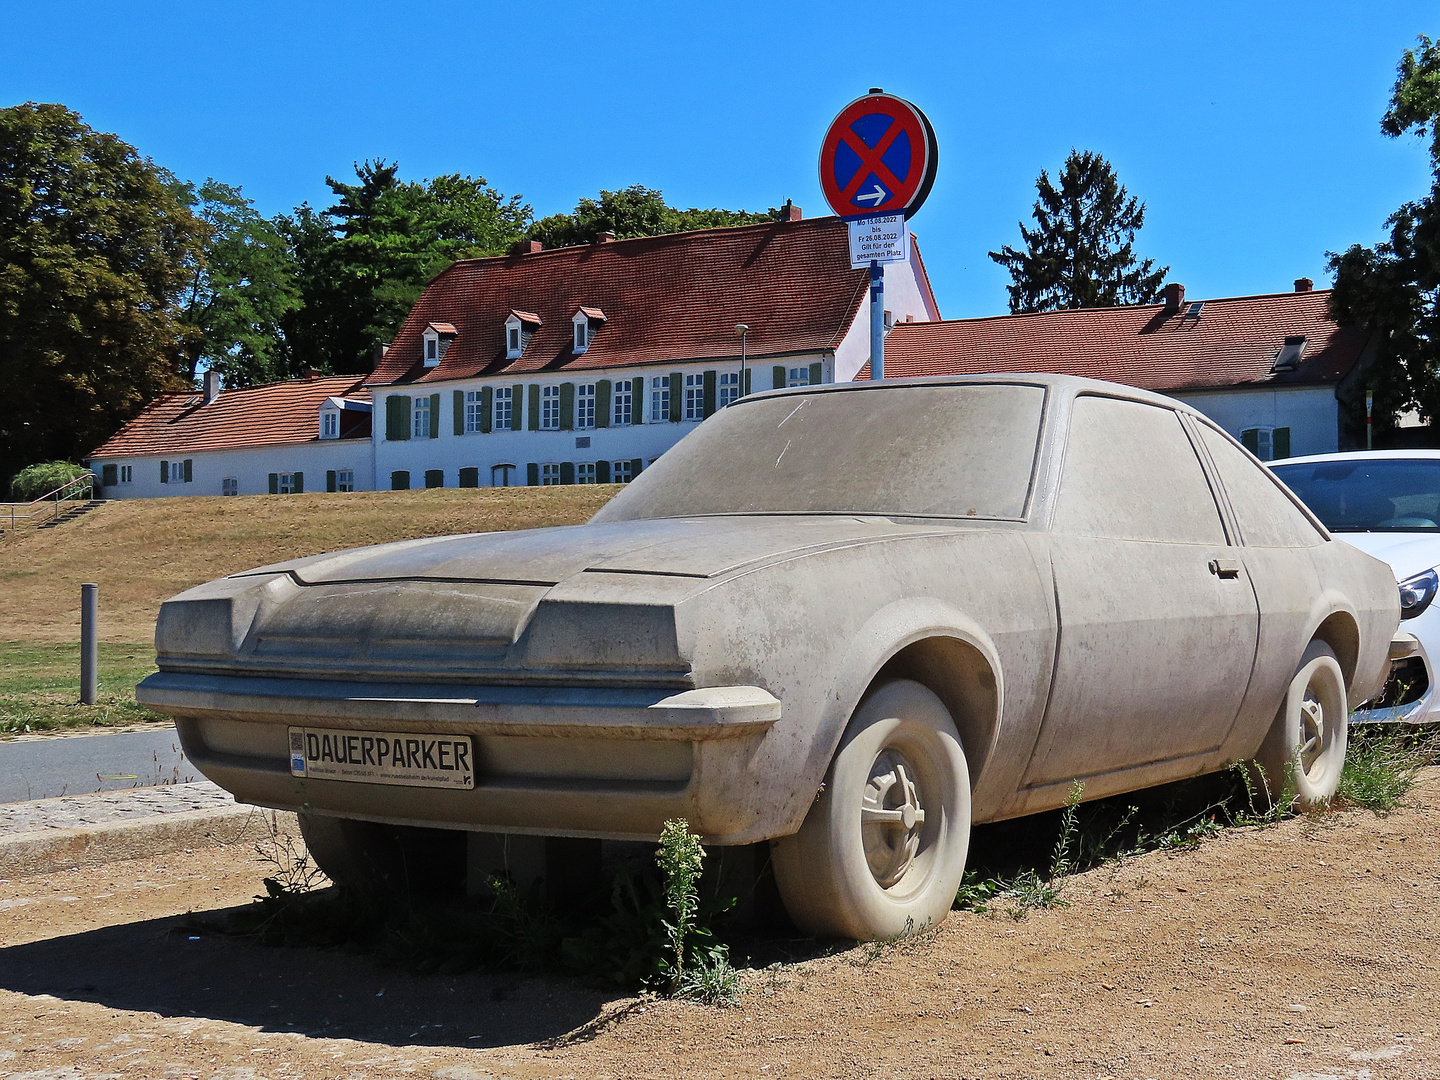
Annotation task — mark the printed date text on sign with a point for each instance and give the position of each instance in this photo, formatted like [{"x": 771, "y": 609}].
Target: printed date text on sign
[{"x": 411, "y": 759}]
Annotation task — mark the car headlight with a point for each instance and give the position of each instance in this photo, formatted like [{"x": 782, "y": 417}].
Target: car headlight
[{"x": 1417, "y": 592}]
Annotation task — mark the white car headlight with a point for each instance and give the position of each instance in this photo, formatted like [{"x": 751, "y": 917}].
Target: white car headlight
[{"x": 1417, "y": 592}]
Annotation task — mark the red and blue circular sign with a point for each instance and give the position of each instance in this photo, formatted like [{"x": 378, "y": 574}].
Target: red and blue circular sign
[{"x": 878, "y": 157}]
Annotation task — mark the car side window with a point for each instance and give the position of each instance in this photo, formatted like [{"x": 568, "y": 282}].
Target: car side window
[
  {"x": 1132, "y": 474},
  {"x": 1266, "y": 516}
]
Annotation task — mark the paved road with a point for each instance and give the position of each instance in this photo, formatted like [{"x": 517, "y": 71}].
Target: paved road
[{"x": 81, "y": 764}]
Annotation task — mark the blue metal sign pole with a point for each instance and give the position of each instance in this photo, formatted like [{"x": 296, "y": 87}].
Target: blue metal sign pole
[{"x": 877, "y": 320}]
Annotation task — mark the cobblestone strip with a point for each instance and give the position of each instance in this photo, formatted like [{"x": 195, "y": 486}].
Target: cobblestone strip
[{"x": 76, "y": 811}]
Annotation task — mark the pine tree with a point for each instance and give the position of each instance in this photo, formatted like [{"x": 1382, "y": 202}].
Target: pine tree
[{"x": 1081, "y": 252}]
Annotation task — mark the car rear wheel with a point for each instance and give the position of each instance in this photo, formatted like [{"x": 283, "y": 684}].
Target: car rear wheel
[
  {"x": 373, "y": 859},
  {"x": 1304, "y": 752},
  {"x": 883, "y": 848}
]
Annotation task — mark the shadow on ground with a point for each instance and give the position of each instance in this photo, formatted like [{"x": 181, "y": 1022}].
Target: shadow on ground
[{"x": 159, "y": 966}]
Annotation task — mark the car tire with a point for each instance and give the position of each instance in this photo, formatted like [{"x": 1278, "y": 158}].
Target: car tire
[
  {"x": 368, "y": 858},
  {"x": 883, "y": 848},
  {"x": 1304, "y": 752}
]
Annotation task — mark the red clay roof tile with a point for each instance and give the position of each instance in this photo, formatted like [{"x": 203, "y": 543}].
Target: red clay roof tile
[
  {"x": 283, "y": 412},
  {"x": 1233, "y": 343}
]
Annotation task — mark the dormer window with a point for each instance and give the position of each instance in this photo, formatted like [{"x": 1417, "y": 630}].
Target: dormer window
[
  {"x": 330, "y": 424},
  {"x": 586, "y": 321},
  {"x": 1288, "y": 358},
  {"x": 437, "y": 338},
  {"x": 520, "y": 327}
]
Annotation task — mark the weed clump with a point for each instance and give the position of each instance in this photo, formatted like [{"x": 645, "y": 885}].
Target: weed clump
[{"x": 1381, "y": 766}]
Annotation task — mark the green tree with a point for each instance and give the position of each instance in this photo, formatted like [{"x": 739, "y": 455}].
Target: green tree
[
  {"x": 1081, "y": 252},
  {"x": 96, "y": 247},
  {"x": 240, "y": 290},
  {"x": 1393, "y": 288},
  {"x": 362, "y": 263},
  {"x": 631, "y": 212}
]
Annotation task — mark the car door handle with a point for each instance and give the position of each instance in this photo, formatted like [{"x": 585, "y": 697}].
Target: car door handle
[{"x": 1224, "y": 568}]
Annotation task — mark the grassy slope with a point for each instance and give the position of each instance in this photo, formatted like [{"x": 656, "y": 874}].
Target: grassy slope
[{"x": 143, "y": 551}]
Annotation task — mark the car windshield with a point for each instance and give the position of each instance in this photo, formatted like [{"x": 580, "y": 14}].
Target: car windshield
[
  {"x": 951, "y": 450},
  {"x": 1376, "y": 495}
]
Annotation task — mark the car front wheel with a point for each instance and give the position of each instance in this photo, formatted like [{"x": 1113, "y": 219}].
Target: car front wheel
[
  {"x": 883, "y": 848},
  {"x": 1304, "y": 752}
]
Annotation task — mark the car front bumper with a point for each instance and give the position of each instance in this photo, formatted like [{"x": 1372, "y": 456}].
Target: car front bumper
[
  {"x": 557, "y": 761},
  {"x": 1409, "y": 695}
]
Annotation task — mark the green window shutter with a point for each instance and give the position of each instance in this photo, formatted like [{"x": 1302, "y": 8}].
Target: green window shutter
[
  {"x": 434, "y": 478},
  {"x": 677, "y": 396},
  {"x": 814, "y": 374},
  {"x": 534, "y": 408},
  {"x": 1250, "y": 439},
  {"x": 274, "y": 483},
  {"x": 109, "y": 475},
  {"x": 602, "y": 472},
  {"x": 567, "y": 406},
  {"x": 637, "y": 401},
  {"x": 517, "y": 408},
  {"x": 459, "y": 412},
  {"x": 777, "y": 377},
  {"x": 189, "y": 471},
  {"x": 709, "y": 394},
  {"x": 567, "y": 472},
  {"x": 330, "y": 480},
  {"x": 602, "y": 404},
  {"x": 400, "y": 480},
  {"x": 397, "y": 418},
  {"x": 745, "y": 390},
  {"x": 532, "y": 474},
  {"x": 636, "y": 464},
  {"x": 469, "y": 478},
  {"x": 487, "y": 403},
  {"x": 1280, "y": 442},
  {"x": 299, "y": 487},
  {"x": 164, "y": 472},
  {"x": 434, "y": 416}
]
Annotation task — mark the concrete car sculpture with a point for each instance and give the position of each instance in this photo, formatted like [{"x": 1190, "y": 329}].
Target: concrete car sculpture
[{"x": 848, "y": 620}]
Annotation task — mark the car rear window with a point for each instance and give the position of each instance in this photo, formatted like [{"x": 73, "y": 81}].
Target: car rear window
[
  {"x": 1384, "y": 495},
  {"x": 964, "y": 450}
]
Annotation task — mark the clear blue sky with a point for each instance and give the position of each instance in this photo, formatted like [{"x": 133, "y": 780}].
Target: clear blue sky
[{"x": 1250, "y": 130}]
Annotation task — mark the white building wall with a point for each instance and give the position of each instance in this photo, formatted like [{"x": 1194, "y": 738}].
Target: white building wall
[
  {"x": 1311, "y": 413},
  {"x": 251, "y": 466},
  {"x": 903, "y": 298},
  {"x": 645, "y": 440}
]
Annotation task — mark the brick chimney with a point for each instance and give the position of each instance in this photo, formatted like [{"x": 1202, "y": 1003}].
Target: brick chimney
[
  {"x": 790, "y": 212},
  {"x": 212, "y": 386},
  {"x": 1174, "y": 294},
  {"x": 534, "y": 247},
  {"x": 1304, "y": 284},
  {"x": 311, "y": 374},
  {"x": 605, "y": 238}
]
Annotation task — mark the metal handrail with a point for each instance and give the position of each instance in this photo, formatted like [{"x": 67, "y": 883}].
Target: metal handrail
[{"x": 64, "y": 493}]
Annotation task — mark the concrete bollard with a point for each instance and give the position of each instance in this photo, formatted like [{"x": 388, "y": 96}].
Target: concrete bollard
[{"x": 89, "y": 644}]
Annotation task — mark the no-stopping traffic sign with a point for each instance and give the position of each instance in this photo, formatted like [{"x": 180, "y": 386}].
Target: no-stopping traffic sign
[{"x": 879, "y": 156}]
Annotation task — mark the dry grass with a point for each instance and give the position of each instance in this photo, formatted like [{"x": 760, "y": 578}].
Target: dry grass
[{"x": 143, "y": 551}]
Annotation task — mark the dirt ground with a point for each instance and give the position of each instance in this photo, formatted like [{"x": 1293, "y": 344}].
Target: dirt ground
[
  {"x": 143, "y": 551},
  {"x": 1302, "y": 951}
]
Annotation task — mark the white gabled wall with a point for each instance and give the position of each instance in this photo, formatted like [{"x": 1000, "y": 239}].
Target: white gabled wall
[
  {"x": 1311, "y": 413},
  {"x": 903, "y": 296},
  {"x": 251, "y": 466}
]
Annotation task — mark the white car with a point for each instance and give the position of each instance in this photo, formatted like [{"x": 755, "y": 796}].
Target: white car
[{"x": 1387, "y": 503}]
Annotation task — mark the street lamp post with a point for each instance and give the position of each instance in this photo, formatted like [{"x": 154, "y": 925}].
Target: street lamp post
[{"x": 742, "y": 329}]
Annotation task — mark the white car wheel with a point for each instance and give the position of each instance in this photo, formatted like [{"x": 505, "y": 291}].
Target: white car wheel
[
  {"x": 883, "y": 848},
  {"x": 1304, "y": 752}
]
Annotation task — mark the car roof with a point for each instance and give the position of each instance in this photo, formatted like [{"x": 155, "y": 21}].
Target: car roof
[{"x": 1363, "y": 455}]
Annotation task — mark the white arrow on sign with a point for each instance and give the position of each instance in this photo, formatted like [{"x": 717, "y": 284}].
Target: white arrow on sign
[{"x": 875, "y": 197}]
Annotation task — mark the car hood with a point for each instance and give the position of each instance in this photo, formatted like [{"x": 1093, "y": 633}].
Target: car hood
[
  {"x": 1407, "y": 553},
  {"x": 687, "y": 547}
]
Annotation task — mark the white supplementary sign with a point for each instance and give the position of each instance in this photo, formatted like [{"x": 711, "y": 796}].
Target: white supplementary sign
[
  {"x": 883, "y": 239},
  {"x": 410, "y": 759}
]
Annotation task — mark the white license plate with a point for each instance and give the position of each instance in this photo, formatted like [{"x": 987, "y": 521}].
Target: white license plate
[{"x": 411, "y": 759}]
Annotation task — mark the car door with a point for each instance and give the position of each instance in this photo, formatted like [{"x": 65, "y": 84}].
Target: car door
[{"x": 1158, "y": 621}]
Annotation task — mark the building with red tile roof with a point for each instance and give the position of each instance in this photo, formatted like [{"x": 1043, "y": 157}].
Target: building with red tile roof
[
  {"x": 247, "y": 441},
  {"x": 1274, "y": 370}
]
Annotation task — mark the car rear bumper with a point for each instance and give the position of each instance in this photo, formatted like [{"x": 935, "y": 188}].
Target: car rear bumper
[{"x": 613, "y": 763}]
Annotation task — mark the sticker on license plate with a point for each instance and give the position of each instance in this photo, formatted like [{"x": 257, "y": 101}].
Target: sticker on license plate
[{"x": 411, "y": 759}]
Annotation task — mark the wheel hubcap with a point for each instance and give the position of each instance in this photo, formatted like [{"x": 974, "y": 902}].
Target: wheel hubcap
[
  {"x": 1312, "y": 731},
  {"x": 891, "y": 818}
]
